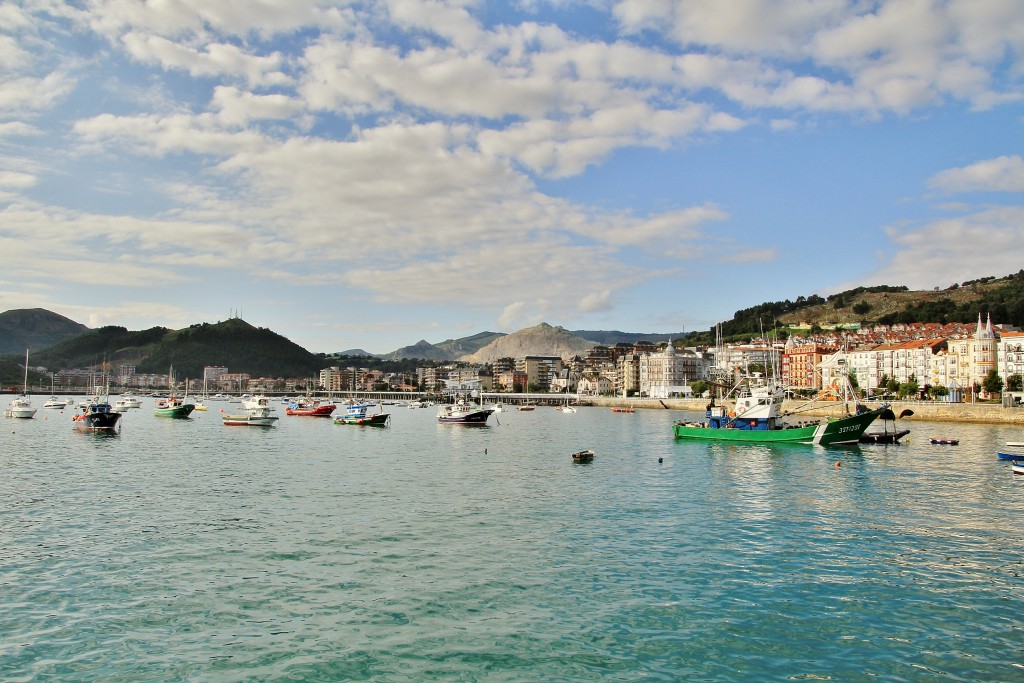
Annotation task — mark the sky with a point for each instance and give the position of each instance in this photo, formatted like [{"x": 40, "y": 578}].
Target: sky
[{"x": 363, "y": 175}]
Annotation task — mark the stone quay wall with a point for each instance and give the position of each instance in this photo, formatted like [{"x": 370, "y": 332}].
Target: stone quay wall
[{"x": 932, "y": 411}]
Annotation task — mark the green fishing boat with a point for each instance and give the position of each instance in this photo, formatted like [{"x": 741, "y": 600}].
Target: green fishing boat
[
  {"x": 173, "y": 407},
  {"x": 756, "y": 417}
]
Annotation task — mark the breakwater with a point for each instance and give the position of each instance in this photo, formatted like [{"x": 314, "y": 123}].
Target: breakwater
[{"x": 980, "y": 413}]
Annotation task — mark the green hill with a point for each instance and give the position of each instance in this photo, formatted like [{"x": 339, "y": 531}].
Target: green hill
[
  {"x": 233, "y": 343},
  {"x": 960, "y": 302},
  {"x": 613, "y": 337},
  {"x": 34, "y": 329}
]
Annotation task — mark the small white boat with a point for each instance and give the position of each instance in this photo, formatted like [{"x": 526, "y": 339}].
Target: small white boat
[
  {"x": 127, "y": 401},
  {"x": 257, "y": 414},
  {"x": 55, "y": 402},
  {"x": 91, "y": 399},
  {"x": 22, "y": 406},
  {"x": 1017, "y": 467}
]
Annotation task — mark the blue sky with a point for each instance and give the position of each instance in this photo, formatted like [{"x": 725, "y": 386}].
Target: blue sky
[{"x": 365, "y": 175}]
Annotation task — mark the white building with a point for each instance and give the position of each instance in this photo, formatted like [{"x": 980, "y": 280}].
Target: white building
[
  {"x": 668, "y": 373},
  {"x": 1010, "y": 355},
  {"x": 594, "y": 385}
]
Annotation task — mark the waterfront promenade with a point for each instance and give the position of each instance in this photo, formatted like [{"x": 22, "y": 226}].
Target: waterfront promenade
[{"x": 933, "y": 411}]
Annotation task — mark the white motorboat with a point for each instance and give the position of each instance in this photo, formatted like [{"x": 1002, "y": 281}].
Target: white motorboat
[{"x": 20, "y": 407}]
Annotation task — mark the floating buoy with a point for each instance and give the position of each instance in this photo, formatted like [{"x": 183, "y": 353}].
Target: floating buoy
[
  {"x": 837, "y": 463},
  {"x": 659, "y": 459}
]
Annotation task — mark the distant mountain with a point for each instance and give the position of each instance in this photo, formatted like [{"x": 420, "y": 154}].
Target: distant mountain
[
  {"x": 541, "y": 340},
  {"x": 232, "y": 343},
  {"x": 613, "y": 337},
  {"x": 354, "y": 352},
  {"x": 450, "y": 349},
  {"x": 34, "y": 329}
]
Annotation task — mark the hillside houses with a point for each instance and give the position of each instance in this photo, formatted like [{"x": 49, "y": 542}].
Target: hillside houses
[{"x": 956, "y": 356}]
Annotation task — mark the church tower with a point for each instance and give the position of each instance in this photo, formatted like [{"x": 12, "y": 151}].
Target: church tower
[{"x": 983, "y": 351}]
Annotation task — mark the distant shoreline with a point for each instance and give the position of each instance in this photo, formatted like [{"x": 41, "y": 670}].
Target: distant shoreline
[{"x": 981, "y": 413}]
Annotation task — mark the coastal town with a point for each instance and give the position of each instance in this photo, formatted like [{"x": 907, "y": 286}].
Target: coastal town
[{"x": 951, "y": 363}]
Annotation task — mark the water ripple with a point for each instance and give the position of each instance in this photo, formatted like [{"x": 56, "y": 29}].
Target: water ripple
[{"x": 184, "y": 550}]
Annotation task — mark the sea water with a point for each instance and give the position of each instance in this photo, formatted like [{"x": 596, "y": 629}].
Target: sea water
[{"x": 187, "y": 550}]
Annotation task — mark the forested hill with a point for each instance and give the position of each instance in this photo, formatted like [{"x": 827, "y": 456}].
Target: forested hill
[
  {"x": 233, "y": 343},
  {"x": 1003, "y": 298},
  {"x": 34, "y": 329}
]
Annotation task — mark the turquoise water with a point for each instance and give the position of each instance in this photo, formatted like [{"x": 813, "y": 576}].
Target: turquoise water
[{"x": 186, "y": 550}]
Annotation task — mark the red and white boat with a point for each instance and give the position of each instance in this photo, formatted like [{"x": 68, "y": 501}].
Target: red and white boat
[{"x": 310, "y": 407}]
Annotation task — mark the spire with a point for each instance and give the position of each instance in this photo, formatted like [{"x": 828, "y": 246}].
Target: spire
[
  {"x": 977, "y": 335},
  {"x": 988, "y": 327}
]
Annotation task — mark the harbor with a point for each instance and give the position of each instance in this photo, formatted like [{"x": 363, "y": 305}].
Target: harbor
[{"x": 184, "y": 549}]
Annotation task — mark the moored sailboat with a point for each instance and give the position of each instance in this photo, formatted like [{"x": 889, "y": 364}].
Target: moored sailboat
[{"x": 21, "y": 406}]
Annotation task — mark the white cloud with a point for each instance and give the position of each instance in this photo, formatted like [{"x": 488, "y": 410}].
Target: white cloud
[
  {"x": 228, "y": 17},
  {"x": 595, "y": 302},
  {"x": 894, "y": 55},
  {"x": 663, "y": 232},
  {"x": 17, "y": 180},
  {"x": 213, "y": 59},
  {"x": 510, "y": 317},
  {"x": 11, "y": 129},
  {"x": 237, "y": 108},
  {"x": 288, "y": 127},
  {"x": 1002, "y": 174},
  {"x": 986, "y": 242},
  {"x": 28, "y": 96}
]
